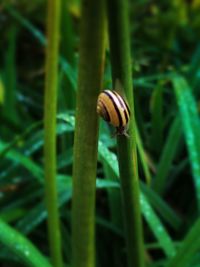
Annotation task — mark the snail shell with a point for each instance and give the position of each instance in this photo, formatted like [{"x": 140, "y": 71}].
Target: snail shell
[{"x": 114, "y": 109}]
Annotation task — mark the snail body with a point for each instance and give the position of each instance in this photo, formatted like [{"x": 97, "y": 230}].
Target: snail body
[{"x": 113, "y": 108}]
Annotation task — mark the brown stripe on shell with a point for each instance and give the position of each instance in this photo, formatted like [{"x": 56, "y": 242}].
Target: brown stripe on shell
[
  {"x": 102, "y": 110},
  {"x": 123, "y": 105},
  {"x": 109, "y": 94}
]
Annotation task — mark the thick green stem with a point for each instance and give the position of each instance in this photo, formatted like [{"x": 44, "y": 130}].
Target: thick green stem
[
  {"x": 121, "y": 69},
  {"x": 86, "y": 133},
  {"x": 53, "y": 21}
]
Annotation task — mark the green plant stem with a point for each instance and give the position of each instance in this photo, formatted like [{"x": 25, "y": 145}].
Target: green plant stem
[
  {"x": 53, "y": 21},
  {"x": 86, "y": 133},
  {"x": 127, "y": 156}
]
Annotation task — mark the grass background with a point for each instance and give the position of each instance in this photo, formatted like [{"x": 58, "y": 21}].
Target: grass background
[{"x": 165, "y": 64}]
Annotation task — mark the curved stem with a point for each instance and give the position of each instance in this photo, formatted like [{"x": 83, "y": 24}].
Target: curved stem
[
  {"x": 53, "y": 21},
  {"x": 121, "y": 69}
]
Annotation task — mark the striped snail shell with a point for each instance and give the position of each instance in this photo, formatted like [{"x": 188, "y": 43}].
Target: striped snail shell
[{"x": 114, "y": 109}]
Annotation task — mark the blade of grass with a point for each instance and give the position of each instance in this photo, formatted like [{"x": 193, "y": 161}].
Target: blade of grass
[
  {"x": 33, "y": 144},
  {"x": 162, "y": 208},
  {"x": 22, "y": 201},
  {"x": 19, "y": 138},
  {"x": 119, "y": 36},
  {"x": 155, "y": 223},
  {"x": 143, "y": 157},
  {"x": 110, "y": 159},
  {"x": 189, "y": 247},
  {"x": 9, "y": 105},
  {"x": 38, "y": 214},
  {"x": 191, "y": 127},
  {"x": 66, "y": 67},
  {"x": 21, "y": 247},
  {"x": 25, "y": 23},
  {"x": 193, "y": 72},
  {"x": 157, "y": 118},
  {"x": 86, "y": 133},
  {"x": 149, "y": 214},
  {"x": 50, "y": 106},
  {"x": 19, "y": 158},
  {"x": 167, "y": 156}
]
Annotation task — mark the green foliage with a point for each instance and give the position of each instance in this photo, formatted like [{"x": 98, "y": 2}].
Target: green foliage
[
  {"x": 21, "y": 247},
  {"x": 120, "y": 54},
  {"x": 189, "y": 247},
  {"x": 191, "y": 127},
  {"x": 166, "y": 59}
]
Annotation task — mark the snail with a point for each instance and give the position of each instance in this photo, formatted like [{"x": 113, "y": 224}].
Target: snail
[{"x": 113, "y": 108}]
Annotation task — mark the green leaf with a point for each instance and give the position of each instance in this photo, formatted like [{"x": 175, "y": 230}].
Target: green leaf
[
  {"x": 163, "y": 209},
  {"x": 18, "y": 157},
  {"x": 152, "y": 219},
  {"x": 111, "y": 159},
  {"x": 38, "y": 214},
  {"x": 191, "y": 127},
  {"x": 21, "y": 247},
  {"x": 157, "y": 228},
  {"x": 66, "y": 67},
  {"x": 143, "y": 157},
  {"x": 10, "y": 78},
  {"x": 167, "y": 156},
  {"x": 157, "y": 118},
  {"x": 189, "y": 247}
]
